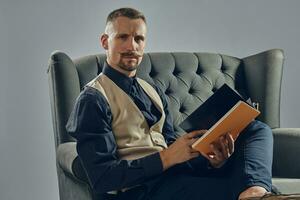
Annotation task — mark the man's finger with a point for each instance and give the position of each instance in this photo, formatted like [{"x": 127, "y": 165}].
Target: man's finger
[
  {"x": 206, "y": 156},
  {"x": 192, "y": 149},
  {"x": 217, "y": 152},
  {"x": 192, "y": 140},
  {"x": 230, "y": 141},
  {"x": 224, "y": 147},
  {"x": 194, "y": 154},
  {"x": 195, "y": 133}
]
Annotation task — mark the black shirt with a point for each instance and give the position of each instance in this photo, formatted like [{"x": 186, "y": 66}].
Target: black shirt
[{"x": 90, "y": 123}]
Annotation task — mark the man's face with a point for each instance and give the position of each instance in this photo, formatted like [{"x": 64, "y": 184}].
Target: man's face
[{"x": 125, "y": 41}]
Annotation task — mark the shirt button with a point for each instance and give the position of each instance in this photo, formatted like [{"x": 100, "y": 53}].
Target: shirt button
[{"x": 156, "y": 141}]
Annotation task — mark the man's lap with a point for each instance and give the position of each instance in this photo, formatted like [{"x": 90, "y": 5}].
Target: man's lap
[{"x": 183, "y": 182}]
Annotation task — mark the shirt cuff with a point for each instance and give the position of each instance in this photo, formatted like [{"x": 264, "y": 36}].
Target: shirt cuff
[{"x": 152, "y": 165}]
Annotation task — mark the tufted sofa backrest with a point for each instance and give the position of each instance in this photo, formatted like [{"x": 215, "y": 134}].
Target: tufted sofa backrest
[{"x": 187, "y": 79}]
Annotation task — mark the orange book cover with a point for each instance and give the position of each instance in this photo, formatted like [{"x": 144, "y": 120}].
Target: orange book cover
[{"x": 233, "y": 122}]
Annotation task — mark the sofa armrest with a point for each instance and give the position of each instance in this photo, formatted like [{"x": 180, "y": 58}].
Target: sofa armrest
[
  {"x": 263, "y": 74},
  {"x": 68, "y": 160},
  {"x": 286, "y": 159}
]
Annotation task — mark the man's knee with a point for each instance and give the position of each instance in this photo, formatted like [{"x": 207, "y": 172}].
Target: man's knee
[{"x": 261, "y": 130}]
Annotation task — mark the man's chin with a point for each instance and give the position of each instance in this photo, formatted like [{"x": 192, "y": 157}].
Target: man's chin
[{"x": 129, "y": 68}]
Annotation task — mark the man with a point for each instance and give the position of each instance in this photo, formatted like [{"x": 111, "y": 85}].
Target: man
[{"x": 127, "y": 144}]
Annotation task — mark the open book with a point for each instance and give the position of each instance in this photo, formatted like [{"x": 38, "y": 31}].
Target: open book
[{"x": 223, "y": 112}]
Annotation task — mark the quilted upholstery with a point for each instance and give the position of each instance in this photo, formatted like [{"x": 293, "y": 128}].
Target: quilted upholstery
[{"x": 188, "y": 79}]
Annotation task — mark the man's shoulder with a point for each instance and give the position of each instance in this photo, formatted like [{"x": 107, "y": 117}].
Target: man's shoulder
[{"x": 90, "y": 94}]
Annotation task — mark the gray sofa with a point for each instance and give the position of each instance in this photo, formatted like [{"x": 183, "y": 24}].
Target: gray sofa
[{"x": 188, "y": 79}]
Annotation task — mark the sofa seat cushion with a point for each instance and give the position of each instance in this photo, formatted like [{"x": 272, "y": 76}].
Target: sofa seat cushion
[{"x": 287, "y": 185}]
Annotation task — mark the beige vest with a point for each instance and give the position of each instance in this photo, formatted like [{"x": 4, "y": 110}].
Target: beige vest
[{"x": 134, "y": 138}]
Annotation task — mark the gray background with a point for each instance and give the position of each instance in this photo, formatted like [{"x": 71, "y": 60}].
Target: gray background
[{"x": 30, "y": 30}]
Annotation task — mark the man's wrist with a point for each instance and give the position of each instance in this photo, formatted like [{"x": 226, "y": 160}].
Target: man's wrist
[{"x": 165, "y": 159}]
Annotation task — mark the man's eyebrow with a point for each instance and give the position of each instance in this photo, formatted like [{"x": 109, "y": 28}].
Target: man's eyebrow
[
  {"x": 123, "y": 33},
  {"x": 141, "y": 36}
]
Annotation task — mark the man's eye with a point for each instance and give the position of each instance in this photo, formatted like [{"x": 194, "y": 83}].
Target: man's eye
[
  {"x": 139, "y": 39},
  {"x": 123, "y": 37}
]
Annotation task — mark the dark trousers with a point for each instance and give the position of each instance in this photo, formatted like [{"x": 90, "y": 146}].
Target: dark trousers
[{"x": 249, "y": 165}]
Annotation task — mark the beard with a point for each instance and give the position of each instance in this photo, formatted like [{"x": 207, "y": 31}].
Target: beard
[
  {"x": 132, "y": 63},
  {"x": 129, "y": 65}
]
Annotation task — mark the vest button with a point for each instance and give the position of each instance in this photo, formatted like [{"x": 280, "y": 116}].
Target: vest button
[{"x": 156, "y": 141}]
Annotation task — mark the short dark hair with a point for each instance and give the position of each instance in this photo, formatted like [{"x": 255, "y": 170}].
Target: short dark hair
[{"x": 131, "y": 13}]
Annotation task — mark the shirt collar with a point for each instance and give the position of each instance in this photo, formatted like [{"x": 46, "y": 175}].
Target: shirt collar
[{"x": 121, "y": 80}]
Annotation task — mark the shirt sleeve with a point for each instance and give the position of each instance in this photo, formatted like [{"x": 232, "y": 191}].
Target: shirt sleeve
[{"x": 90, "y": 124}]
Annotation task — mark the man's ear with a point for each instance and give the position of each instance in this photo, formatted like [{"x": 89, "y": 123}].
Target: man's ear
[{"x": 104, "y": 41}]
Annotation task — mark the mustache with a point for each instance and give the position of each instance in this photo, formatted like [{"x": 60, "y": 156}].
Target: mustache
[{"x": 131, "y": 54}]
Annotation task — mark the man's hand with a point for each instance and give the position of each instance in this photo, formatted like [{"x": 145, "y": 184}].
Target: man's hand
[
  {"x": 221, "y": 150},
  {"x": 181, "y": 150}
]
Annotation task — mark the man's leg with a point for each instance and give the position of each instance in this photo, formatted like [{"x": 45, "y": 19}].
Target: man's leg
[
  {"x": 185, "y": 186},
  {"x": 248, "y": 170},
  {"x": 249, "y": 167},
  {"x": 251, "y": 163}
]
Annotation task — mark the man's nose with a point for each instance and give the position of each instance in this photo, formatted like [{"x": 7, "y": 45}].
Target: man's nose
[{"x": 131, "y": 44}]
